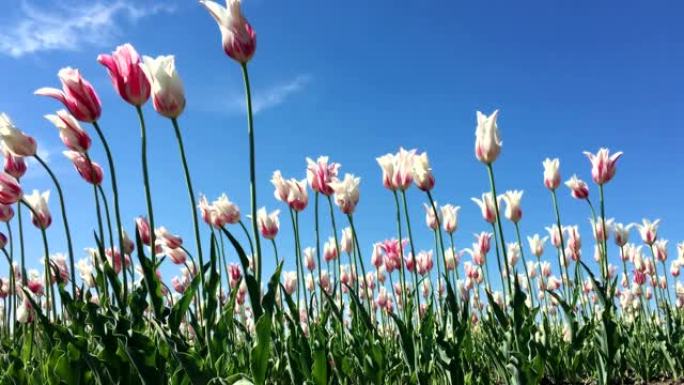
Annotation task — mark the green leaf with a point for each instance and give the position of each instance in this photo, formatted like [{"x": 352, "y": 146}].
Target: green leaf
[{"x": 260, "y": 354}]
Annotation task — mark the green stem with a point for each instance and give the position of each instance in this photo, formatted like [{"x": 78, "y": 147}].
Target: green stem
[
  {"x": 402, "y": 277},
  {"x": 318, "y": 252},
  {"x": 67, "y": 232},
  {"x": 191, "y": 195},
  {"x": 522, "y": 255},
  {"x": 358, "y": 250},
  {"x": 249, "y": 237},
  {"x": 413, "y": 251},
  {"x": 561, "y": 252},
  {"x": 490, "y": 171},
  {"x": 115, "y": 191},
  {"x": 109, "y": 221},
  {"x": 252, "y": 171},
  {"x": 148, "y": 189},
  {"x": 21, "y": 246}
]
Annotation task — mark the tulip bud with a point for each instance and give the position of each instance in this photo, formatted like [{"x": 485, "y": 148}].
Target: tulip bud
[
  {"x": 168, "y": 97},
  {"x": 14, "y": 165},
  {"x": 578, "y": 189},
  {"x": 269, "y": 224},
  {"x": 649, "y": 231},
  {"x": 450, "y": 218},
  {"x": 621, "y": 233},
  {"x": 70, "y": 132},
  {"x": 143, "y": 227},
  {"x": 422, "y": 173},
  {"x": 90, "y": 171},
  {"x": 6, "y": 213},
  {"x": 487, "y": 142},
  {"x": 487, "y": 207},
  {"x": 603, "y": 165},
  {"x": 77, "y": 95},
  {"x": 551, "y": 174},
  {"x": 17, "y": 142},
  {"x": 330, "y": 250},
  {"x": 239, "y": 38},
  {"x": 513, "y": 211},
  {"x": 431, "y": 219},
  {"x": 40, "y": 214},
  {"x": 347, "y": 243},
  {"x": 125, "y": 70}
]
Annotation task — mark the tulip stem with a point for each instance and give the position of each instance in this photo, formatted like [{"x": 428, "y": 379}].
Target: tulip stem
[
  {"x": 70, "y": 247},
  {"x": 21, "y": 245},
  {"x": 522, "y": 256},
  {"x": 249, "y": 237},
  {"x": 402, "y": 277},
  {"x": 337, "y": 243},
  {"x": 413, "y": 252},
  {"x": 252, "y": 171},
  {"x": 363, "y": 269},
  {"x": 115, "y": 192},
  {"x": 318, "y": 251},
  {"x": 148, "y": 190},
  {"x": 490, "y": 171},
  {"x": 109, "y": 220},
  {"x": 191, "y": 194},
  {"x": 438, "y": 232},
  {"x": 561, "y": 253}
]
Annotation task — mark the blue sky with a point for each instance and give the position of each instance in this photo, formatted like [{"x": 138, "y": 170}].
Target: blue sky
[{"x": 355, "y": 81}]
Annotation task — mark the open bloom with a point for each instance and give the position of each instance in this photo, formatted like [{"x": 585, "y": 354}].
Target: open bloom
[
  {"x": 125, "y": 70},
  {"x": 291, "y": 191},
  {"x": 487, "y": 207},
  {"x": 397, "y": 169},
  {"x": 10, "y": 190},
  {"x": 168, "y": 96},
  {"x": 220, "y": 212},
  {"x": 537, "y": 244},
  {"x": 574, "y": 242},
  {"x": 77, "y": 95},
  {"x": 71, "y": 133},
  {"x": 321, "y": 173},
  {"x": 551, "y": 173},
  {"x": 166, "y": 239},
  {"x": 14, "y": 140},
  {"x": 422, "y": 172},
  {"x": 347, "y": 193},
  {"x": 487, "y": 142},
  {"x": 450, "y": 217},
  {"x": 578, "y": 188},
  {"x": 269, "y": 224},
  {"x": 603, "y": 165},
  {"x": 660, "y": 250},
  {"x": 15, "y": 165},
  {"x": 513, "y": 211},
  {"x": 40, "y": 215},
  {"x": 90, "y": 171},
  {"x": 556, "y": 235},
  {"x": 648, "y": 231},
  {"x": 239, "y": 38}
]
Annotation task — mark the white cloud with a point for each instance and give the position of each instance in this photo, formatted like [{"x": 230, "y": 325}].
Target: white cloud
[
  {"x": 70, "y": 26},
  {"x": 262, "y": 99}
]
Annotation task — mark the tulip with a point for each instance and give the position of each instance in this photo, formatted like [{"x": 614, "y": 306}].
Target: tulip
[
  {"x": 10, "y": 191},
  {"x": 347, "y": 242},
  {"x": 40, "y": 215},
  {"x": 674, "y": 268},
  {"x": 513, "y": 211},
  {"x": 6, "y": 213},
  {"x": 77, "y": 95},
  {"x": 487, "y": 142},
  {"x": 3, "y": 241},
  {"x": 551, "y": 173},
  {"x": 168, "y": 97},
  {"x": 450, "y": 259},
  {"x": 603, "y": 165},
  {"x": 320, "y": 174},
  {"x": 127, "y": 75},
  {"x": 128, "y": 245},
  {"x": 180, "y": 284},
  {"x": 430, "y": 219},
  {"x": 422, "y": 173},
  {"x": 58, "y": 262},
  {"x": 660, "y": 250},
  {"x": 85, "y": 271},
  {"x": 309, "y": 258},
  {"x": 25, "y": 312},
  {"x": 621, "y": 233},
  {"x": 90, "y": 171},
  {"x": 546, "y": 269},
  {"x": 403, "y": 169},
  {"x": 269, "y": 224},
  {"x": 574, "y": 241},
  {"x": 330, "y": 250},
  {"x": 291, "y": 191},
  {"x": 14, "y": 164},
  {"x": 227, "y": 212},
  {"x": 70, "y": 131},
  {"x": 555, "y": 235},
  {"x": 35, "y": 282},
  {"x": 450, "y": 217},
  {"x": 513, "y": 253},
  {"x": 487, "y": 207},
  {"x": 537, "y": 245},
  {"x": 347, "y": 193},
  {"x": 239, "y": 38},
  {"x": 578, "y": 188},
  {"x": 424, "y": 262},
  {"x": 14, "y": 140},
  {"x": 290, "y": 281},
  {"x": 143, "y": 227},
  {"x": 648, "y": 231},
  {"x": 386, "y": 163},
  {"x": 598, "y": 227},
  {"x": 164, "y": 237},
  {"x": 234, "y": 275}
]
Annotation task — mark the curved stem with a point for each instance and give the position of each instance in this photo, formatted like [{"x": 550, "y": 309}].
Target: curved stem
[
  {"x": 252, "y": 171},
  {"x": 490, "y": 171},
  {"x": 146, "y": 180},
  {"x": 67, "y": 232},
  {"x": 561, "y": 252},
  {"x": 115, "y": 191},
  {"x": 249, "y": 237},
  {"x": 107, "y": 216}
]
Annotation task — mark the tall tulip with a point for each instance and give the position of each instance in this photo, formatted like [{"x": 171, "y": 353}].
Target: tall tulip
[
  {"x": 168, "y": 96},
  {"x": 551, "y": 173},
  {"x": 90, "y": 171},
  {"x": 487, "y": 141},
  {"x": 239, "y": 38},
  {"x": 40, "y": 213},
  {"x": 127, "y": 74},
  {"x": 14, "y": 140},
  {"x": 603, "y": 165}
]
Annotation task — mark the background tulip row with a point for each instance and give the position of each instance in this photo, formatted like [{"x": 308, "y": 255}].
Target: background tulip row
[{"x": 496, "y": 312}]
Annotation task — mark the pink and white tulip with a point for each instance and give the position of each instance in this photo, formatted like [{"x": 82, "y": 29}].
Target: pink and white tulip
[
  {"x": 168, "y": 96},
  {"x": 70, "y": 131},
  {"x": 90, "y": 171},
  {"x": 269, "y": 224},
  {"x": 578, "y": 188},
  {"x": 14, "y": 140},
  {"x": 77, "y": 95},
  {"x": 487, "y": 141},
  {"x": 125, "y": 69},
  {"x": 551, "y": 173},
  {"x": 40, "y": 215},
  {"x": 321, "y": 173},
  {"x": 603, "y": 165},
  {"x": 238, "y": 36}
]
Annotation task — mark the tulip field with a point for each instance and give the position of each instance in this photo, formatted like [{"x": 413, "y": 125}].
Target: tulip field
[{"x": 513, "y": 308}]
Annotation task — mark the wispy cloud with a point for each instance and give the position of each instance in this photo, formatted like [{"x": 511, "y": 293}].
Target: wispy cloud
[
  {"x": 70, "y": 26},
  {"x": 262, "y": 98}
]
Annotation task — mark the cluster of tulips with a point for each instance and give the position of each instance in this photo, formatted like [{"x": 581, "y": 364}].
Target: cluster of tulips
[{"x": 496, "y": 312}]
